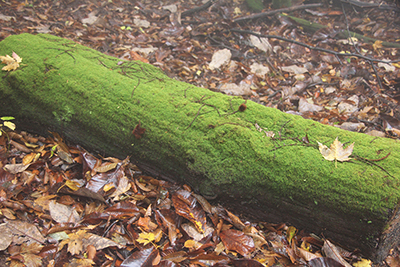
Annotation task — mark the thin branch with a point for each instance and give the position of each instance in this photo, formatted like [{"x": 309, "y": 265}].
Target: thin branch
[
  {"x": 358, "y": 51},
  {"x": 134, "y": 88},
  {"x": 198, "y": 113},
  {"x": 197, "y": 9},
  {"x": 312, "y": 47},
  {"x": 273, "y": 12}
]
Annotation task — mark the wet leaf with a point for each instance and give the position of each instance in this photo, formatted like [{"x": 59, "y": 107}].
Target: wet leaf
[
  {"x": 246, "y": 263},
  {"x": 237, "y": 241},
  {"x": 186, "y": 206},
  {"x": 331, "y": 251},
  {"x": 324, "y": 262},
  {"x": 143, "y": 258}
]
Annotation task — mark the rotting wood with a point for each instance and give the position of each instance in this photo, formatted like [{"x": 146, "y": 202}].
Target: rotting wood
[{"x": 192, "y": 136}]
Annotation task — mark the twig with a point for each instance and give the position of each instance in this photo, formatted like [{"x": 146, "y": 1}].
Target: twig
[
  {"x": 64, "y": 51},
  {"x": 373, "y": 164},
  {"x": 370, "y": 5},
  {"x": 197, "y": 9},
  {"x": 198, "y": 112},
  {"x": 134, "y": 88},
  {"x": 284, "y": 125},
  {"x": 313, "y": 47},
  {"x": 356, "y": 49},
  {"x": 375, "y": 159},
  {"x": 184, "y": 93},
  {"x": 273, "y": 12}
]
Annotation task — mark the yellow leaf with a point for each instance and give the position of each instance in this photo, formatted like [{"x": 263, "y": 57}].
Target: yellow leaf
[
  {"x": 12, "y": 62},
  {"x": 73, "y": 185},
  {"x": 362, "y": 263},
  {"x": 377, "y": 45},
  {"x": 7, "y": 59},
  {"x": 290, "y": 233},
  {"x": 192, "y": 244},
  {"x": 28, "y": 158},
  {"x": 336, "y": 151},
  {"x": 108, "y": 187},
  {"x": 12, "y": 66},
  {"x": 9, "y": 124},
  {"x": 145, "y": 238}
]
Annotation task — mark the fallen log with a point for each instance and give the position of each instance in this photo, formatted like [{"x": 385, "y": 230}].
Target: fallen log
[{"x": 259, "y": 160}]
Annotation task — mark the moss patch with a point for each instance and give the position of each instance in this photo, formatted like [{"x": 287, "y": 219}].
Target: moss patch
[{"x": 191, "y": 132}]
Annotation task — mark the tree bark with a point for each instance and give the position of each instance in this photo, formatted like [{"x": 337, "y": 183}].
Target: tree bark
[{"x": 199, "y": 137}]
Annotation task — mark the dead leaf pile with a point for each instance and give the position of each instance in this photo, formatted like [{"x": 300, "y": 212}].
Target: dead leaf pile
[{"x": 61, "y": 206}]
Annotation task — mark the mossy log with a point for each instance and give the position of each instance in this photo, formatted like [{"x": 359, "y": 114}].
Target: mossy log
[{"x": 198, "y": 137}]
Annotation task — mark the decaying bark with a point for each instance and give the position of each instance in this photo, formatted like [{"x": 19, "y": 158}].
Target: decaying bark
[{"x": 196, "y": 136}]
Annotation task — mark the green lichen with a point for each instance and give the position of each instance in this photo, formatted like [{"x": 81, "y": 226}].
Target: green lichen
[{"x": 193, "y": 132}]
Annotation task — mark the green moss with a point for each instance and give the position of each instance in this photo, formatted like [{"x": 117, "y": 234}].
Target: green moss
[{"x": 99, "y": 100}]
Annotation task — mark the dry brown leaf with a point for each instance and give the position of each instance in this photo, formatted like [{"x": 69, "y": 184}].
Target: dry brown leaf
[
  {"x": 123, "y": 186},
  {"x": 336, "y": 151},
  {"x": 62, "y": 213},
  {"x": 331, "y": 251}
]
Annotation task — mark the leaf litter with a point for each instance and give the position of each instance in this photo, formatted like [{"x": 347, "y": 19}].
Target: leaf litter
[
  {"x": 182, "y": 39},
  {"x": 48, "y": 220}
]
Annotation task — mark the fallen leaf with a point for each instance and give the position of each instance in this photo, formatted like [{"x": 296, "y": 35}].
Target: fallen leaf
[
  {"x": 123, "y": 186},
  {"x": 331, "y": 251},
  {"x": 336, "y": 151},
  {"x": 143, "y": 257},
  {"x": 12, "y": 62},
  {"x": 237, "y": 241},
  {"x": 10, "y": 125},
  {"x": 136, "y": 56},
  {"x": 138, "y": 131},
  {"x": 186, "y": 206},
  {"x": 324, "y": 262},
  {"x": 363, "y": 263},
  {"x": 62, "y": 213},
  {"x": 146, "y": 238}
]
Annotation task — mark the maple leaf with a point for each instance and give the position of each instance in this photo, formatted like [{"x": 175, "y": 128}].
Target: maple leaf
[
  {"x": 74, "y": 242},
  {"x": 152, "y": 237},
  {"x": 336, "y": 151},
  {"x": 12, "y": 62}
]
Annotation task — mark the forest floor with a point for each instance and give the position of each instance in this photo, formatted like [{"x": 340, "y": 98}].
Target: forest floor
[{"x": 325, "y": 72}]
